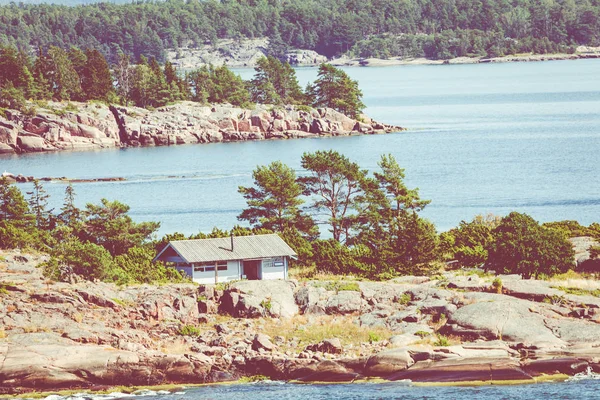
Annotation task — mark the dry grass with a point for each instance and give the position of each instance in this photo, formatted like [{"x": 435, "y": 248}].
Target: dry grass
[
  {"x": 77, "y": 317},
  {"x": 35, "y": 329},
  {"x": 311, "y": 274},
  {"x": 315, "y": 329},
  {"x": 177, "y": 346}
]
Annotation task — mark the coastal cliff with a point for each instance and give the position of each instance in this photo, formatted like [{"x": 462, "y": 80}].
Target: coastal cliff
[
  {"x": 452, "y": 328},
  {"x": 85, "y": 126}
]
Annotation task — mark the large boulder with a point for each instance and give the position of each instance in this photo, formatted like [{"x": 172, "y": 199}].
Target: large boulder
[
  {"x": 265, "y": 297},
  {"x": 33, "y": 144},
  {"x": 502, "y": 318},
  {"x": 8, "y": 133},
  {"x": 388, "y": 362},
  {"x": 345, "y": 302}
]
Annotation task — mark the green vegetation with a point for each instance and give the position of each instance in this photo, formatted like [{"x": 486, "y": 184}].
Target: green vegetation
[
  {"x": 579, "y": 291},
  {"x": 405, "y": 299},
  {"x": 334, "y": 89},
  {"x": 442, "y": 341},
  {"x": 189, "y": 330},
  {"x": 377, "y": 232},
  {"x": 383, "y": 28},
  {"x": 497, "y": 285},
  {"x": 522, "y": 246},
  {"x": 85, "y": 76}
]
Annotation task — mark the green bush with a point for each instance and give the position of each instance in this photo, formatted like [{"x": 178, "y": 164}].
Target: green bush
[
  {"x": 189, "y": 330},
  {"x": 497, "y": 285},
  {"x": 522, "y": 246},
  {"x": 442, "y": 341},
  {"x": 405, "y": 298}
]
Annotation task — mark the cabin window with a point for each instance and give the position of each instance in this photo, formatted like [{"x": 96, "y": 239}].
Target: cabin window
[
  {"x": 275, "y": 262},
  {"x": 221, "y": 266}
]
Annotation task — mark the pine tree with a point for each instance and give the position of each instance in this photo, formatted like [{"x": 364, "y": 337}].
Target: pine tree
[
  {"x": 336, "y": 186},
  {"x": 96, "y": 80},
  {"x": 334, "y": 89},
  {"x": 70, "y": 215},
  {"x": 38, "y": 204},
  {"x": 273, "y": 202},
  {"x": 275, "y": 83}
]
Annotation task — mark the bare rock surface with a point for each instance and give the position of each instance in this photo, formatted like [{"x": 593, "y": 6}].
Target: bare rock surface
[
  {"x": 57, "y": 335},
  {"x": 86, "y": 126}
]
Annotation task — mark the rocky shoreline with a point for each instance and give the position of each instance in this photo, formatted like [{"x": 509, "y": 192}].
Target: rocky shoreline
[
  {"x": 93, "y": 126},
  {"x": 245, "y": 54},
  {"x": 456, "y": 327}
]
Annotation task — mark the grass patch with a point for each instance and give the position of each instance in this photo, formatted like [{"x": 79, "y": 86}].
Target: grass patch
[
  {"x": 578, "y": 291},
  {"x": 309, "y": 331},
  {"x": 339, "y": 286}
]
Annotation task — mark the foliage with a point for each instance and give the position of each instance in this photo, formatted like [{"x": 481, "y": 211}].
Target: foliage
[
  {"x": 334, "y": 89},
  {"x": 85, "y": 259},
  {"x": 411, "y": 28},
  {"x": 275, "y": 83},
  {"x": 137, "y": 266},
  {"x": 522, "y": 246},
  {"x": 273, "y": 203},
  {"x": 468, "y": 243},
  {"x": 399, "y": 240},
  {"x": 573, "y": 228},
  {"x": 497, "y": 285},
  {"x": 189, "y": 330},
  {"x": 108, "y": 225},
  {"x": 340, "y": 286},
  {"x": 442, "y": 341},
  {"x": 331, "y": 256},
  {"x": 335, "y": 183},
  {"x": 17, "y": 225},
  {"x": 218, "y": 85}
]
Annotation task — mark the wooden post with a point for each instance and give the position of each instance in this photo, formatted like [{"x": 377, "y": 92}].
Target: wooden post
[{"x": 216, "y": 273}]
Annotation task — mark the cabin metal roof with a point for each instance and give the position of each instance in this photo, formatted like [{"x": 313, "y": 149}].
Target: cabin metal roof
[{"x": 219, "y": 249}]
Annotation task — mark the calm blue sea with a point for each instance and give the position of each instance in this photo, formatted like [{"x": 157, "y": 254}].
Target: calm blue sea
[
  {"x": 483, "y": 139},
  {"x": 587, "y": 389}
]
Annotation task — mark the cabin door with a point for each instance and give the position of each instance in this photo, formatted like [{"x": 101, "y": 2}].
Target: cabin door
[{"x": 253, "y": 269}]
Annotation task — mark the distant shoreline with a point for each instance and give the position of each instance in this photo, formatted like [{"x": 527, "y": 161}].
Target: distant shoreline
[{"x": 397, "y": 61}]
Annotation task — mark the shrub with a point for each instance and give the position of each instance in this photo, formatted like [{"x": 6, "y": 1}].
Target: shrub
[
  {"x": 189, "y": 330},
  {"x": 442, "y": 341},
  {"x": 405, "y": 298},
  {"x": 374, "y": 337},
  {"x": 266, "y": 304},
  {"x": 522, "y": 246},
  {"x": 497, "y": 285}
]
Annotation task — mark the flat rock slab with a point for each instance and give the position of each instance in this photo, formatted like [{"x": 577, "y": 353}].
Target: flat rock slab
[
  {"x": 511, "y": 320},
  {"x": 465, "y": 370}
]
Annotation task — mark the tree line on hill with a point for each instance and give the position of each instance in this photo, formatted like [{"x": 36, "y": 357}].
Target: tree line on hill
[
  {"x": 85, "y": 75},
  {"x": 382, "y": 28},
  {"x": 374, "y": 226}
]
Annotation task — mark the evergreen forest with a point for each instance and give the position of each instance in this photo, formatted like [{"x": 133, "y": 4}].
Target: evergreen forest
[{"x": 437, "y": 29}]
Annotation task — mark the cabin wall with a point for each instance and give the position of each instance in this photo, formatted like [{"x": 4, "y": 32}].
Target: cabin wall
[
  {"x": 208, "y": 277},
  {"x": 271, "y": 269}
]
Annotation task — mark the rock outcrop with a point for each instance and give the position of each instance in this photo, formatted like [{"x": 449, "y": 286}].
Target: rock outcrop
[
  {"x": 57, "y": 335},
  {"x": 81, "y": 126}
]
